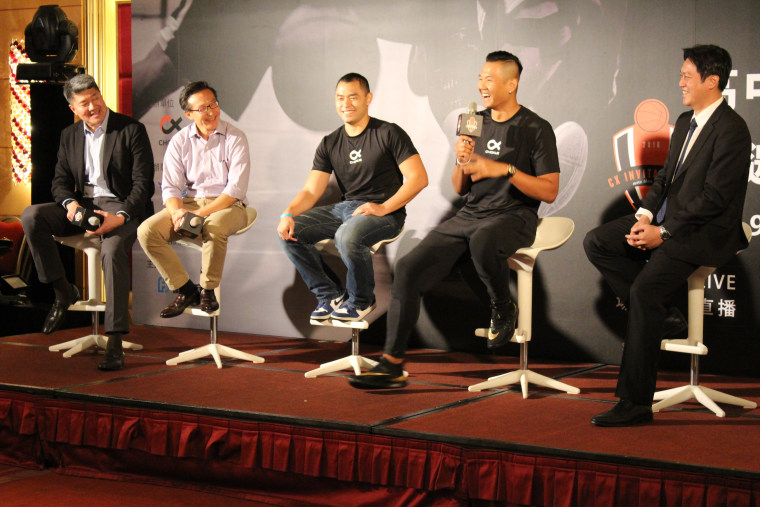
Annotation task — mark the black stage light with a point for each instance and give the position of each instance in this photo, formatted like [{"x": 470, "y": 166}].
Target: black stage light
[{"x": 52, "y": 40}]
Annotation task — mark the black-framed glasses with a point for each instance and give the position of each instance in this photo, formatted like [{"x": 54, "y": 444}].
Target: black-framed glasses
[{"x": 207, "y": 107}]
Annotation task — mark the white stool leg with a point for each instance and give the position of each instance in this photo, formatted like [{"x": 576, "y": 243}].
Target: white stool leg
[{"x": 354, "y": 361}]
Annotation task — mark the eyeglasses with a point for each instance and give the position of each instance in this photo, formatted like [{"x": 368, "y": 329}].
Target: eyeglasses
[{"x": 205, "y": 108}]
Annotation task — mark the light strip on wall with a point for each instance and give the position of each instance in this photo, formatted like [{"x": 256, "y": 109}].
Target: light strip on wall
[{"x": 21, "y": 124}]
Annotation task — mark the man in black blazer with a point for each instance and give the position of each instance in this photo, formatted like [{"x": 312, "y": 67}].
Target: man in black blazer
[
  {"x": 105, "y": 163},
  {"x": 691, "y": 217}
]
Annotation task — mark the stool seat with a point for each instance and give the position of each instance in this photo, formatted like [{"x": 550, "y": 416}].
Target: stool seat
[
  {"x": 552, "y": 232},
  {"x": 90, "y": 245},
  {"x": 354, "y": 361},
  {"x": 694, "y": 346},
  {"x": 213, "y": 349}
]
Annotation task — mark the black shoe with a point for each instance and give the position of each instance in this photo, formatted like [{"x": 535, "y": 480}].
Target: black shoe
[
  {"x": 179, "y": 304},
  {"x": 624, "y": 413},
  {"x": 57, "y": 311},
  {"x": 503, "y": 322},
  {"x": 208, "y": 301},
  {"x": 114, "y": 357},
  {"x": 675, "y": 325},
  {"x": 384, "y": 375}
]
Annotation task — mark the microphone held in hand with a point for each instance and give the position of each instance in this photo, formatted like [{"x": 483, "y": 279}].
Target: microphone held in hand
[
  {"x": 86, "y": 219},
  {"x": 191, "y": 225},
  {"x": 470, "y": 123}
]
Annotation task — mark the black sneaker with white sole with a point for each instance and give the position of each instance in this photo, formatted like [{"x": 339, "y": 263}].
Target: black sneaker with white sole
[
  {"x": 503, "y": 322},
  {"x": 384, "y": 375}
]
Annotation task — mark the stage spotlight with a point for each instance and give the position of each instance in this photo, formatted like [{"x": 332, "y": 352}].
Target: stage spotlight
[{"x": 52, "y": 40}]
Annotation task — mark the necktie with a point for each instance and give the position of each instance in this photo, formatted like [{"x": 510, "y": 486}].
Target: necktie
[{"x": 692, "y": 128}]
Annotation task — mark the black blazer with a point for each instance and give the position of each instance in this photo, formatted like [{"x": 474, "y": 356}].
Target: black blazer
[
  {"x": 127, "y": 163},
  {"x": 706, "y": 200}
]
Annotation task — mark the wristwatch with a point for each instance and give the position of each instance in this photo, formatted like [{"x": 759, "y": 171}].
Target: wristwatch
[
  {"x": 511, "y": 170},
  {"x": 664, "y": 234}
]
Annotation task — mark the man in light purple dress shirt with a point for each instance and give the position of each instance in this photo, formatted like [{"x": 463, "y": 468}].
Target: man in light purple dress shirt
[{"x": 206, "y": 170}]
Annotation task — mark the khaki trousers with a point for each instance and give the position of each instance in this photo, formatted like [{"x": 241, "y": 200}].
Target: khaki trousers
[{"x": 157, "y": 232}]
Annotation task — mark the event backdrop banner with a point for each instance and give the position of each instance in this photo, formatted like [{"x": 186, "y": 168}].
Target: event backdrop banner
[{"x": 604, "y": 73}]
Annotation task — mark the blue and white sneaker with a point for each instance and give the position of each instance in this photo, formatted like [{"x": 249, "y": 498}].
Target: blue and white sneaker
[
  {"x": 348, "y": 313},
  {"x": 325, "y": 308}
]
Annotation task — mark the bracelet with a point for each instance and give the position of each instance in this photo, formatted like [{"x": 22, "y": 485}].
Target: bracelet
[
  {"x": 286, "y": 215},
  {"x": 463, "y": 163}
]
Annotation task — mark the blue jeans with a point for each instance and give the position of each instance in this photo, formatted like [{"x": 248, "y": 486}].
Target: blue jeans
[{"x": 354, "y": 235}]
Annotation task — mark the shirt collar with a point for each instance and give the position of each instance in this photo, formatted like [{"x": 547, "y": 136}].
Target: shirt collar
[
  {"x": 221, "y": 129},
  {"x": 101, "y": 127},
  {"x": 705, "y": 114}
]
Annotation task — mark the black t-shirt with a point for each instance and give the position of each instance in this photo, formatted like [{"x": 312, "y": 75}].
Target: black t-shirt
[
  {"x": 527, "y": 142},
  {"x": 366, "y": 166}
]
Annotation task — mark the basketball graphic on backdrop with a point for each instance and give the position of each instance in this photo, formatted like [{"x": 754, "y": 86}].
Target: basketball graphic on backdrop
[{"x": 651, "y": 115}]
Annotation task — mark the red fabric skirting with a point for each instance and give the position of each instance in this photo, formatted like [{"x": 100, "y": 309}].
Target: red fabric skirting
[{"x": 116, "y": 440}]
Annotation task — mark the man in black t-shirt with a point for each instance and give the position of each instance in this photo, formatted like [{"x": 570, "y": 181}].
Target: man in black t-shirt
[
  {"x": 378, "y": 171},
  {"x": 504, "y": 175}
]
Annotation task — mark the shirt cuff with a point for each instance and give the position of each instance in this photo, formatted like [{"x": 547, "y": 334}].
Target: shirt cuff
[{"x": 644, "y": 212}]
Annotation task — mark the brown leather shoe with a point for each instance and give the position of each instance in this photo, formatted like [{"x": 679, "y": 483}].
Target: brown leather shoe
[
  {"x": 180, "y": 303},
  {"x": 208, "y": 301}
]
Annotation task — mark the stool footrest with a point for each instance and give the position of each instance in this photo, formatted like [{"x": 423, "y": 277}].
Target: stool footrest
[
  {"x": 683, "y": 345},
  {"x": 355, "y": 324},
  {"x": 91, "y": 305},
  {"x": 520, "y": 336}
]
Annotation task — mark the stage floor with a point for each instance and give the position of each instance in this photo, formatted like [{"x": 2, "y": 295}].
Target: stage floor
[{"x": 435, "y": 406}]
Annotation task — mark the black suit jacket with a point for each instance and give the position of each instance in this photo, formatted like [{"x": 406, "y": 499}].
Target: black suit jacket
[
  {"x": 706, "y": 199},
  {"x": 127, "y": 164}
]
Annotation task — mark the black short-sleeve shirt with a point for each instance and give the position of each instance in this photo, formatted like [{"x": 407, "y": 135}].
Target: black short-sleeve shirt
[
  {"x": 527, "y": 142},
  {"x": 366, "y": 166}
]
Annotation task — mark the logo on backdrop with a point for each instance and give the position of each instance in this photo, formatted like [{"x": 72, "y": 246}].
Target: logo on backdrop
[
  {"x": 641, "y": 150},
  {"x": 169, "y": 125}
]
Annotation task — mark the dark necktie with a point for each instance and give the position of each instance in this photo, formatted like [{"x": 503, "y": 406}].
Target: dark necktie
[{"x": 692, "y": 128}]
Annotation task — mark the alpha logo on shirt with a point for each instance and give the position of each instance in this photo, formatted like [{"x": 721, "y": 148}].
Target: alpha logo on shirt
[
  {"x": 355, "y": 156},
  {"x": 493, "y": 147}
]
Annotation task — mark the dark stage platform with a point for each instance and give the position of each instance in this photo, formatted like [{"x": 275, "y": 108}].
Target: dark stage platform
[{"x": 264, "y": 431}]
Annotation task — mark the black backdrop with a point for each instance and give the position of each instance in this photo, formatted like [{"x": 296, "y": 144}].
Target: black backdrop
[{"x": 604, "y": 73}]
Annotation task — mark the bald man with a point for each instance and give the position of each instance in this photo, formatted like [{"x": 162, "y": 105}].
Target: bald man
[{"x": 503, "y": 176}]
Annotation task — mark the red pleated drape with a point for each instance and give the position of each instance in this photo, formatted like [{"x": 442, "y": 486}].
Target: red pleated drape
[{"x": 101, "y": 439}]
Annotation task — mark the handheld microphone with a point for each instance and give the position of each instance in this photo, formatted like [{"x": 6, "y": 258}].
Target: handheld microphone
[
  {"x": 86, "y": 219},
  {"x": 191, "y": 226},
  {"x": 470, "y": 123}
]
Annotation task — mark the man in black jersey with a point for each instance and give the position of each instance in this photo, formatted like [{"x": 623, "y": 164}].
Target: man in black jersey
[
  {"x": 378, "y": 171},
  {"x": 504, "y": 175}
]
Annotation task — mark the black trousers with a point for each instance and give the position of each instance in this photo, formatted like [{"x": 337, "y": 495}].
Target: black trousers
[
  {"x": 42, "y": 221},
  {"x": 647, "y": 282},
  {"x": 489, "y": 241}
]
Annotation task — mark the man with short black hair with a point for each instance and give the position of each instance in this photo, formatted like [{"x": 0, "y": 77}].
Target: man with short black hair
[
  {"x": 206, "y": 171},
  {"x": 504, "y": 175},
  {"x": 378, "y": 171},
  {"x": 691, "y": 217},
  {"x": 104, "y": 163}
]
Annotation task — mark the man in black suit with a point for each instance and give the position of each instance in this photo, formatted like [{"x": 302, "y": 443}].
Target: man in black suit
[
  {"x": 105, "y": 163},
  {"x": 691, "y": 217}
]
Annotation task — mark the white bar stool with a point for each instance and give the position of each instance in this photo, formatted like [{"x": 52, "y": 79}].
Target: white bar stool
[
  {"x": 90, "y": 245},
  {"x": 213, "y": 349},
  {"x": 693, "y": 345},
  {"x": 354, "y": 361},
  {"x": 552, "y": 233}
]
